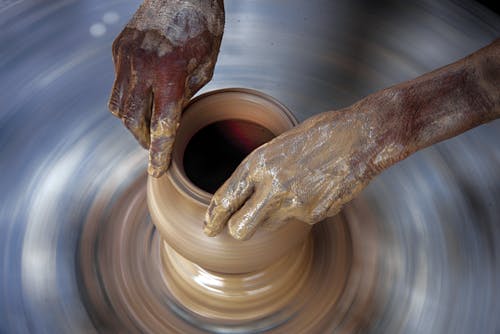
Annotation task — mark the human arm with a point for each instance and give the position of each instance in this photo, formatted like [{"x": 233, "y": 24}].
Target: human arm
[{"x": 311, "y": 171}]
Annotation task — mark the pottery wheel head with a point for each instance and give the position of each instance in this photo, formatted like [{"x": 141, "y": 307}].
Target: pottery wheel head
[{"x": 417, "y": 252}]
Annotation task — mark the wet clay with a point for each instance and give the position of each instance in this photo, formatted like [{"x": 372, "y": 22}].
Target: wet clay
[
  {"x": 223, "y": 278},
  {"x": 132, "y": 282},
  {"x": 178, "y": 206}
]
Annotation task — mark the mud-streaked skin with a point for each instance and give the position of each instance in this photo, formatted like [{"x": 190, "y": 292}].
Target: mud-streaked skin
[
  {"x": 165, "y": 54},
  {"x": 168, "y": 51},
  {"x": 311, "y": 171}
]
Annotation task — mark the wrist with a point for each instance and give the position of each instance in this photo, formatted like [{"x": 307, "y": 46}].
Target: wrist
[
  {"x": 352, "y": 140},
  {"x": 180, "y": 20},
  {"x": 381, "y": 137}
]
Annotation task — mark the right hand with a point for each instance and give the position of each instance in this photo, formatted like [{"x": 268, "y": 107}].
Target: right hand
[
  {"x": 165, "y": 54},
  {"x": 307, "y": 173}
]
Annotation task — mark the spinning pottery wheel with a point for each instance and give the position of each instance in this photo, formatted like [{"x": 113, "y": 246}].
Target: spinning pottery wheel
[{"x": 417, "y": 252}]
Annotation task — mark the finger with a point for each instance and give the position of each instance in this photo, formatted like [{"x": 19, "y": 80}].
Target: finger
[
  {"x": 116, "y": 44},
  {"x": 137, "y": 113},
  {"x": 227, "y": 200},
  {"x": 164, "y": 123},
  {"x": 120, "y": 86},
  {"x": 244, "y": 223}
]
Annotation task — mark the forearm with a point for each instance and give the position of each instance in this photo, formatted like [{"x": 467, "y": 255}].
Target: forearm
[{"x": 436, "y": 106}]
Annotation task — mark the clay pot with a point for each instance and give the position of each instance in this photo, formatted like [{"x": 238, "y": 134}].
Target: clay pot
[{"x": 177, "y": 205}]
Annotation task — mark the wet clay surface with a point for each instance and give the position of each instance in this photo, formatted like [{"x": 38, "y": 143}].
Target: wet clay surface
[
  {"x": 178, "y": 206},
  {"x": 327, "y": 283}
]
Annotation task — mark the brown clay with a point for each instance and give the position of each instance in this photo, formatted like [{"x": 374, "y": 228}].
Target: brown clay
[
  {"x": 178, "y": 207},
  {"x": 258, "y": 277},
  {"x": 135, "y": 283}
]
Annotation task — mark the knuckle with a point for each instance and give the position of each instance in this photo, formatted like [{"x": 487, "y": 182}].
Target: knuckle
[
  {"x": 114, "y": 108},
  {"x": 131, "y": 123},
  {"x": 293, "y": 201},
  {"x": 317, "y": 214},
  {"x": 221, "y": 205},
  {"x": 133, "y": 105},
  {"x": 164, "y": 128},
  {"x": 161, "y": 145}
]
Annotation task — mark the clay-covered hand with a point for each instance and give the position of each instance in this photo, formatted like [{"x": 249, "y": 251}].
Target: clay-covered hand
[
  {"x": 311, "y": 171},
  {"x": 307, "y": 173},
  {"x": 165, "y": 54}
]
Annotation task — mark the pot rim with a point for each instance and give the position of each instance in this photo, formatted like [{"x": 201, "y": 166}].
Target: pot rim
[{"x": 176, "y": 173}]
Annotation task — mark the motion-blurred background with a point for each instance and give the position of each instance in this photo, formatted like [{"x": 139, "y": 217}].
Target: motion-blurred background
[{"x": 439, "y": 210}]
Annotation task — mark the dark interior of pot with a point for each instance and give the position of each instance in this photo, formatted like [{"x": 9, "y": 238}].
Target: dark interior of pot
[{"x": 214, "y": 152}]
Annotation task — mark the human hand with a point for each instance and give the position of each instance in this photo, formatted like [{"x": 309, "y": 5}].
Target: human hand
[
  {"x": 307, "y": 173},
  {"x": 165, "y": 54}
]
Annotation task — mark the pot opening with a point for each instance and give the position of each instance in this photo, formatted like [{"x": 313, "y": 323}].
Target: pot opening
[{"x": 214, "y": 152}]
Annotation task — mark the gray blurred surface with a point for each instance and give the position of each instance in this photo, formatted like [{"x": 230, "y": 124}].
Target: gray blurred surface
[{"x": 439, "y": 210}]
